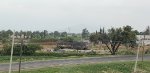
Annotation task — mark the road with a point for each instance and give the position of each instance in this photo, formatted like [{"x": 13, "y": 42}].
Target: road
[{"x": 50, "y": 63}]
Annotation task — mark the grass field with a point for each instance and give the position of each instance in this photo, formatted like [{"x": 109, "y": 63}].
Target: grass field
[
  {"x": 6, "y": 59},
  {"x": 121, "y": 67},
  {"x": 48, "y": 56}
]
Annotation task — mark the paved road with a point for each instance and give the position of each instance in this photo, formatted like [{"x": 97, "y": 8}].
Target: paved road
[{"x": 49, "y": 63}]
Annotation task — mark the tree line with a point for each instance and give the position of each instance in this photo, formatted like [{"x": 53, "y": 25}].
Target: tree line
[
  {"x": 5, "y": 35},
  {"x": 85, "y": 34}
]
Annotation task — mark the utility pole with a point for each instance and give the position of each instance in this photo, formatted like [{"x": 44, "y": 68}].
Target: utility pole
[
  {"x": 136, "y": 59},
  {"x": 142, "y": 50},
  {"x": 143, "y": 46},
  {"x": 20, "y": 55},
  {"x": 11, "y": 52},
  {"x": 137, "y": 56}
]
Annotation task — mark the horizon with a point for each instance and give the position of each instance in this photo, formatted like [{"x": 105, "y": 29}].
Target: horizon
[{"x": 68, "y": 30}]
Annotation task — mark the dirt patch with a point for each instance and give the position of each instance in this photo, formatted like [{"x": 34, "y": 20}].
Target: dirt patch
[{"x": 48, "y": 48}]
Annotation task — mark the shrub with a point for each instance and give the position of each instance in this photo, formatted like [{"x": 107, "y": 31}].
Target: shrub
[{"x": 29, "y": 49}]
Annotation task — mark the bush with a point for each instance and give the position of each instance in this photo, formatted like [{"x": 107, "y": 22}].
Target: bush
[{"x": 29, "y": 49}]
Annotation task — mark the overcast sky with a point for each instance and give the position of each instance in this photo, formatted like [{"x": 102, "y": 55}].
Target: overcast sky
[{"x": 76, "y": 14}]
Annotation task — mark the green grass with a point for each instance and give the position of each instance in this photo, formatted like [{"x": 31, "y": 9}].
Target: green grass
[
  {"x": 48, "y": 56},
  {"x": 121, "y": 67},
  {"x": 6, "y": 59}
]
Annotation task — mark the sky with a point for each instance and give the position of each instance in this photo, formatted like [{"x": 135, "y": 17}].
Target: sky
[{"x": 73, "y": 15}]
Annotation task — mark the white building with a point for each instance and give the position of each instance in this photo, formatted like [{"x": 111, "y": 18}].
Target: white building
[{"x": 144, "y": 38}]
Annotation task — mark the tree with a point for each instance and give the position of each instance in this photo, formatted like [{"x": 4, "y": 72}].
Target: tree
[
  {"x": 51, "y": 34},
  {"x": 94, "y": 38},
  {"x": 9, "y": 32},
  {"x": 36, "y": 35},
  {"x": 42, "y": 35},
  {"x": 103, "y": 30},
  {"x": 64, "y": 34},
  {"x": 4, "y": 36},
  {"x": 101, "y": 35},
  {"x": 114, "y": 39},
  {"x": 85, "y": 33},
  {"x": 129, "y": 36},
  {"x": 118, "y": 36},
  {"x": 136, "y": 32},
  {"x": 100, "y": 31},
  {"x": 29, "y": 33},
  {"x": 16, "y": 34},
  {"x": 56, "y": 34},
  {"x": 45, "y": 33}
]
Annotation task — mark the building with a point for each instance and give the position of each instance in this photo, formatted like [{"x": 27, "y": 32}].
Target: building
[{"x": 144, "y": 38}]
